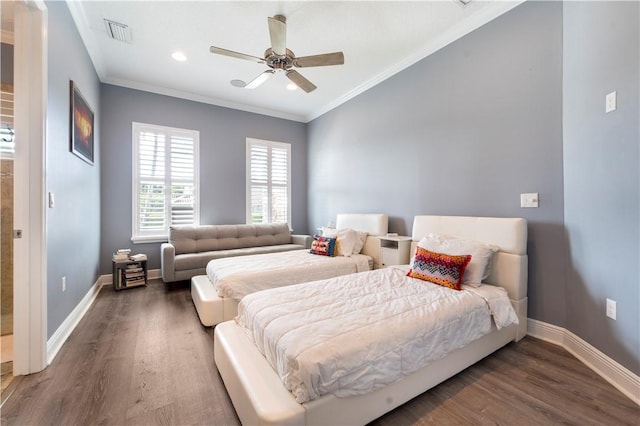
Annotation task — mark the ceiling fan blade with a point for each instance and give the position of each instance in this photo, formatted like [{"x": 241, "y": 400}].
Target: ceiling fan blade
[
  {"x": 300, "y": 81},
  {"x": 278, "y": 34},
  {"x": 335, "y": 58},
  {"x": 225, "y": 52},
  {"x": 259, "y": 79}
]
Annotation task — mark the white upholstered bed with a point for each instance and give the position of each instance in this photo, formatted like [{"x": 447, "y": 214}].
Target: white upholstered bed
[
  {"x": 257, "y": 391},
  {"x": 216, "y": 295}
]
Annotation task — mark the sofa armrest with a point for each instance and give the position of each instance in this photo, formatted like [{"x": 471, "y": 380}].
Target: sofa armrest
[
  {"x": 167, "y": 262},
  {"x": 303, "y": 240}
]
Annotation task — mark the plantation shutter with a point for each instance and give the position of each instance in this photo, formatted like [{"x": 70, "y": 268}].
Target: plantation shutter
[
  {"x": 259, "y": 178},
  {"x": 166, "y": 187},
  {"x": 182, "y": 181},
  {"x": 279, "y": 185},
  {"x": 268, "y": 183},
  {"x": 151, "y": 186}
]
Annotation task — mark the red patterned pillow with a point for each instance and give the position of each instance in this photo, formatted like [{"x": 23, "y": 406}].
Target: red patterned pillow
[
  {"x": 442, "y": 269},
  {"x": 324, "y": 246}
]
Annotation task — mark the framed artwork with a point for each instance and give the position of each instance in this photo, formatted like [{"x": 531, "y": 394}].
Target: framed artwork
[{"x": 81, "y": 126}]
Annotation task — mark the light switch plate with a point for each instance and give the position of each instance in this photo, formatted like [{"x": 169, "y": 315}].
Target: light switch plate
[
  {"x": 611, "y": 102},
  {"x": 529, "y": 200}
]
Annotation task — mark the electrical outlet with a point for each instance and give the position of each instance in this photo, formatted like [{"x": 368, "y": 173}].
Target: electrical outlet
[
  {"x": 611, "y": 309},
  {"x": 611, "y": 102},
  {"x": 64, "y": 284}
]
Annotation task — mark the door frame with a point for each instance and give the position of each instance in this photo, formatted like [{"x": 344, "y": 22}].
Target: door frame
[{"x": 30, "y": 255}]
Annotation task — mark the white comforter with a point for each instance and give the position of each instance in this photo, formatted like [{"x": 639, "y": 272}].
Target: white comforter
[
  {"x": 353, "y": 334},
  {"x": 236, "y": 277}
]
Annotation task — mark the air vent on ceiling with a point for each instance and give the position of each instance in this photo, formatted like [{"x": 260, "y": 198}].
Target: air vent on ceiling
[{"x": 118, "y": 31}]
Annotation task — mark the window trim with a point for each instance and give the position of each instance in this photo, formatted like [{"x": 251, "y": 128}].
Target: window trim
[
  {"x": 136, "y": 128},
  {"x": 270, "y": 145}
]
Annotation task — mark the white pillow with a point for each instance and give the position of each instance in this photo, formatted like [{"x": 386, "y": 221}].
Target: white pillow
[
  {"x": 481, "y": 253},
  {"x": 345, "y": 240},
  {"x": 324, "y": 231},
  {"x": 359, "y": 245}
]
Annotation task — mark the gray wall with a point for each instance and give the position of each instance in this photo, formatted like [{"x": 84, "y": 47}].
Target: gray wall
[
  {"x": 73, "y": 225},
  {"x": 462, "y": 132},
  {"x": 223, "y": 134},
  {"x": 601, "y": 175}
]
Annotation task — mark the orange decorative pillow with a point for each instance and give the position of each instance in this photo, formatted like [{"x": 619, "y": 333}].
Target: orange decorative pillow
[{"x": 442, "y": 269}]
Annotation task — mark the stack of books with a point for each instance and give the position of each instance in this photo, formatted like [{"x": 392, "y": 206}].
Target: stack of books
[
  {"x": 122, "y": 255},
  {"x": 134, "y": 275}
]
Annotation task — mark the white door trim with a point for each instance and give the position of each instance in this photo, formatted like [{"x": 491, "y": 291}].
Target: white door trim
[{"x": 30, "y": 254}]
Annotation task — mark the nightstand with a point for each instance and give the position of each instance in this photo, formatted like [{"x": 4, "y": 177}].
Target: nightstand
[
  {"x": 394, "y": 250},
  {"x": 129, "y": 274}
]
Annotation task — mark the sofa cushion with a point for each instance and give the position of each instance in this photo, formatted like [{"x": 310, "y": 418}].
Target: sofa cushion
[
  {"x": 204, "y": 238},
  {"x": 190, "y": 260},
  {"x": 268, "y": 235},
  {"x": 183, "y": 238}
]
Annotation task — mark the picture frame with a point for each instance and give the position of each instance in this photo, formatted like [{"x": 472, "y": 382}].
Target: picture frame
[{"x": 82, "y": 126}]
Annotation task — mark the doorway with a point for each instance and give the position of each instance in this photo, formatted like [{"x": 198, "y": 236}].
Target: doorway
[
  {"x": 7, "y": 152},
  {"x": 28, "y": 22}
]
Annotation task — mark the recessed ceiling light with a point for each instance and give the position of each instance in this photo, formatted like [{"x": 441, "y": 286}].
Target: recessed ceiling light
[
  {"x": 179, "y": 56},
  {"x": 291, "y": 86},
  {"x": 238, "y": 83}
]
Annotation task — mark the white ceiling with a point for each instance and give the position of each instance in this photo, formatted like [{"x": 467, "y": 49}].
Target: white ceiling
[{"x": 378, "y": 39}]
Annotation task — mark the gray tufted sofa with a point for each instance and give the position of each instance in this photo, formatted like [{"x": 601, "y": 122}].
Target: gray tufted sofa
[{"x": 190, "y": 248}]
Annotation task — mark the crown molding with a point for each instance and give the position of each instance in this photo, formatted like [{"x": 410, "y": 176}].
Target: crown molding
[{"x": 201, "y": 98}]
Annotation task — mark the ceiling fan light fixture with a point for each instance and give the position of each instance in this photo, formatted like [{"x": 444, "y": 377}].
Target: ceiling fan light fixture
[
  {"x": 259, "y": 79},
  {"x": 292, "y": 86}
]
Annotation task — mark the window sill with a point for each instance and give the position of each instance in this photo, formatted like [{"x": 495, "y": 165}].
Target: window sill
[{"x": 149, "y": 239}]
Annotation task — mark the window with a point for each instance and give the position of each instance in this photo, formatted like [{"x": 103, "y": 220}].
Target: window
[
  {"x": 165, "y": 180},
  {"x": 268, "y": 182}
]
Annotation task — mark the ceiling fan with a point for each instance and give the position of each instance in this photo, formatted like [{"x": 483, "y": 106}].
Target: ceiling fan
[{"x": 279, "y": 58}]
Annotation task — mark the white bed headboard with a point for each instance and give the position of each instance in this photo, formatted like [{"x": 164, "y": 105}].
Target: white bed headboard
[
  {"x": 509, "y": 266},
  {"x": 371, "y": 223},
  {"x": 510, "y": 234}
]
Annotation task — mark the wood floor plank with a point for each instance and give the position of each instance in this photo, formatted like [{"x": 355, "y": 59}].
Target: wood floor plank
[{"x": 141, "y": 357}]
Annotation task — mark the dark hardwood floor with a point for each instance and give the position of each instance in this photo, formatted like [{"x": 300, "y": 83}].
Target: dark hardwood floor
[{"x": 141, "y": 357}]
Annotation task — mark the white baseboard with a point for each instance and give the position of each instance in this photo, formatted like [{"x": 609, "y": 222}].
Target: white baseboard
[
  {"x": 620, "y": 377},
  {"x": 69, "y": 324},
  {"x": 153, "y": 274}
]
